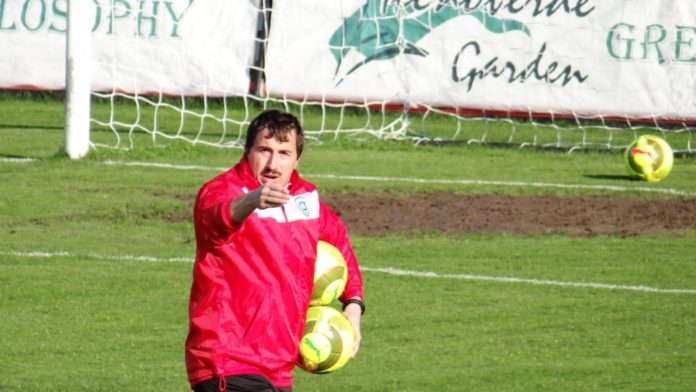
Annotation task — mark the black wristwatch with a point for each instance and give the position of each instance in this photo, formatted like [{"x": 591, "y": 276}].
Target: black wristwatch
[{"x": 355, "y": 301}]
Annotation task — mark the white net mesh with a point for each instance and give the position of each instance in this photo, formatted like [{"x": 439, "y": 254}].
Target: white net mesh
[{"x": 285, "y": 55}]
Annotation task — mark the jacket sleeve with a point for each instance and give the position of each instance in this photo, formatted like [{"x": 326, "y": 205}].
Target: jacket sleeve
[
  {"x": 333, "y": 231},
  {"x": 211, "y": 215}
]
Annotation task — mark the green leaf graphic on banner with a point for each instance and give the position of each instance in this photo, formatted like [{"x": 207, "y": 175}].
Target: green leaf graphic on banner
[{"x": 382, "y": 32}]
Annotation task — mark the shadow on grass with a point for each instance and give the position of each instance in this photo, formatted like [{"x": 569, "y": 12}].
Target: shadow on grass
[
  {"x": 612, "y": 177},
  {"x": 32, "y": 127},
  {"x": 18, "y": 158}
]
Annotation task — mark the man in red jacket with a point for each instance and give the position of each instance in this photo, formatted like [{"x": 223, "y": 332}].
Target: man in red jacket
[{"x": 257, "y": 227}]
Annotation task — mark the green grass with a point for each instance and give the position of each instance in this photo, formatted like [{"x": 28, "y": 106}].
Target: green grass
[
  {"x": 83, "y": 316},
  {"x": 84, "y": 323}
]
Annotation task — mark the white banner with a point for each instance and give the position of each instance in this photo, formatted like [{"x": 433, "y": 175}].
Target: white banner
[
  {"x": 624, "y": 58},
  {"x": 190, "y": 47}
]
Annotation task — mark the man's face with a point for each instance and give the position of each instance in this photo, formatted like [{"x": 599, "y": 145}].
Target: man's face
[{"x": 273, "y": 160}]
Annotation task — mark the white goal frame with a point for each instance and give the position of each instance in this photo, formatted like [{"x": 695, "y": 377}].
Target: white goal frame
[
  {"x": 77, "y": 78},
  {"x": 386, "y": 119}
]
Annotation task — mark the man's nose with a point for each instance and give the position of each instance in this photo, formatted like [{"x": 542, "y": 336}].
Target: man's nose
[{"x": 272, "y": 161}]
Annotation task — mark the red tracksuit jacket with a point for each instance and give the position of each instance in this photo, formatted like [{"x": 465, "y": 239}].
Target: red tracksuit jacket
[{"x": 252, "y": 282}]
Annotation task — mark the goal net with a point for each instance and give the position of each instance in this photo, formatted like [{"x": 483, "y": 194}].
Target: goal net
[{"x": 566, "y": 74}]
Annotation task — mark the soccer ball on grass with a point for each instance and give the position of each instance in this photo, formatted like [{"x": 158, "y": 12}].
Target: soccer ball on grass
[
  {"x": 327, "y": 341},
  {"x": 649, "y": 158}
]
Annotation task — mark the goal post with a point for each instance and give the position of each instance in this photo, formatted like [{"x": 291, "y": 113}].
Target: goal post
[
  {"x": 584, "y": 75},
  {"x": 78, "y": 64}
]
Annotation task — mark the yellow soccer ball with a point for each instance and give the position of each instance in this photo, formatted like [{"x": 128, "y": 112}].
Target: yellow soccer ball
[
  {"x": 649, "y": 158},
  {"x": 330, "y": 275},
  {"x": 327, "y": 342}
]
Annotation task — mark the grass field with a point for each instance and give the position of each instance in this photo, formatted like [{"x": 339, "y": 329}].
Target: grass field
[{"x": 95, "y": 268}]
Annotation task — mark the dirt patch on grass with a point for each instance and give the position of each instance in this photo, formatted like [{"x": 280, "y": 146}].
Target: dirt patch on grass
[{"x": 450, "y": 213}]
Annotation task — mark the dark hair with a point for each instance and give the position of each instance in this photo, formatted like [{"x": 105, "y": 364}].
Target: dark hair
[{"x": 279, "y": 125}]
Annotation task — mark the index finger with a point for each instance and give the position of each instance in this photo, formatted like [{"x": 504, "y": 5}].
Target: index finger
[{"x": 274, "y": 186}]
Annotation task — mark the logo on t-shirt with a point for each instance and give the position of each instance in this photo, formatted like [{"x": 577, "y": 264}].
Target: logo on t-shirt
[{"x": 302, "y": 205}]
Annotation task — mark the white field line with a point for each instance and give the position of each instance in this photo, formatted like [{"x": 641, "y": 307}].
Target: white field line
[
  {"x": 387, "y": 270},
  {"x": 612, "y": 188},
  {"x": 49, "y": 255},
  {"x": 17, "y": 160},
  {"x": 536, "y": 282},
  {"x": 165, "y": 165}
]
